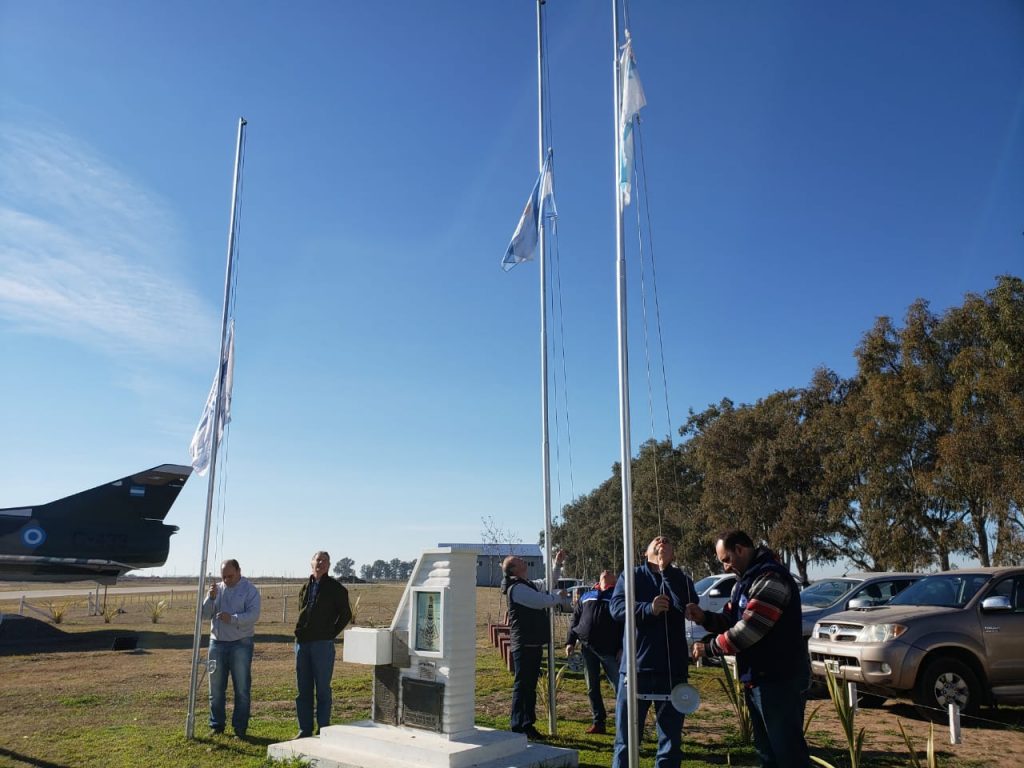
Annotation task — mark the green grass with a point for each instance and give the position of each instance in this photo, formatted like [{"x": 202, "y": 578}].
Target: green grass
[{"x": 95, "y": 708}]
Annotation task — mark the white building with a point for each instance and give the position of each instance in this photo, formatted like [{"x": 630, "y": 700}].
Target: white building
[{"x": 489, "y": 557}]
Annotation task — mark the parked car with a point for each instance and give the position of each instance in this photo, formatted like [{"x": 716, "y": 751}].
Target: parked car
[
  {"x": 953, "y": 637},
  {"x": 713, "y": 593},
  {"x": 858, "y": 590}
]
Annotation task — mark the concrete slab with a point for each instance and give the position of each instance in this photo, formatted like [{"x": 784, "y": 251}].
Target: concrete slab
[{"x": 372, "y": 745}]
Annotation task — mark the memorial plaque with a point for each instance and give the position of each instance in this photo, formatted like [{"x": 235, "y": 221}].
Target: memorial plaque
[
  {"x": 422, "y": 704},
  {"x": 385, "y": 695},
  {"x": 427, "y": 670}
]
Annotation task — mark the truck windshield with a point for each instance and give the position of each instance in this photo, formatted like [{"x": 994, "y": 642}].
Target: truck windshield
[{"x": 945, "y": 590}]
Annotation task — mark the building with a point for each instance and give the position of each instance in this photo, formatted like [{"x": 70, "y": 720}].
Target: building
[{"x": 489, "y": 557}]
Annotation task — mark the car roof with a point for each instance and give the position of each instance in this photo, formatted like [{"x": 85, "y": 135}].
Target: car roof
[{"x": 980, "y": 571}]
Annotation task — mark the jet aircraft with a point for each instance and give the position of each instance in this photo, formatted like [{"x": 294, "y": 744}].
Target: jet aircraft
[{"x": 95, "y": 535}]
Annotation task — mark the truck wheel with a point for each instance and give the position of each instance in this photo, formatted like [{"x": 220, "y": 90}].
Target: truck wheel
[{"x": 946, "y": 681}]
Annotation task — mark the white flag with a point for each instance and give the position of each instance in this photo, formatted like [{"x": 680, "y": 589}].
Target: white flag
[
  {"x": 632, "y": 94},
  {"x": 202, "y": 441},
  {"x": 541, "y": 203}
]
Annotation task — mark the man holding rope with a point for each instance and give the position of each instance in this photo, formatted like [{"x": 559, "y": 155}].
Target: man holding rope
[
  {"x": 761, "y": 626},
  {"x": 662, "y": 592}
]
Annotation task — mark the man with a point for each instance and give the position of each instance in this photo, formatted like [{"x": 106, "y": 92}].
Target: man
[
  {"x": 601, "y": 639},
  {"x": 529, "y": 632},
  {"x": 323, "y": 613},
  {"x": 233, "y": 607},
  {"x": 761, "y": 626},
  {"x": 659, "y": 603}
]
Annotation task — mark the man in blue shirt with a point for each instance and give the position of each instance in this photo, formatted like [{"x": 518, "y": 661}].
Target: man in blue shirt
[{"x": 233, "y": 607}]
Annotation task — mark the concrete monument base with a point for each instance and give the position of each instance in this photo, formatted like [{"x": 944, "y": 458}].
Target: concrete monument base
[{"x": 367, "y": 744}]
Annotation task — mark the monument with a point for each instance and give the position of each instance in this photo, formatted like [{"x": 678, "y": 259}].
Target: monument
[{"x": 424, "y": 686}]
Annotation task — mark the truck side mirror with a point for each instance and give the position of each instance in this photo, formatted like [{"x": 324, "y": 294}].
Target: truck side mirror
[{"x": 996, "y": 604}]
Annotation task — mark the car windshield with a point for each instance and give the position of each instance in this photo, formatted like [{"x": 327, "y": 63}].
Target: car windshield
[
  {"x": 946, "y": 590},
  {"x": 705, "y": 584},
  {"x": 823, "y": 593}
]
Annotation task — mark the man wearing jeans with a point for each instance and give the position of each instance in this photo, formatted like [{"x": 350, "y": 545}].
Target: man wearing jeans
[
  {"x": 601, "y": 638},
  {"x": 323, "y": 613},
  {"x": 761, "y": 626},
  {"x": 233, "y": 607}
]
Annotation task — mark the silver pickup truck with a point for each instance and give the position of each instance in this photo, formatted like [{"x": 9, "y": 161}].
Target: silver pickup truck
[{"x": 953, "y": 637}]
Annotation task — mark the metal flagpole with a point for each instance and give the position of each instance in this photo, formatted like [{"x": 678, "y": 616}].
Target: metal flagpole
[
  {"x": 545, "y": 444},
  {"x": 633, "y": 742},
  {"x": 197, "y": 635}
]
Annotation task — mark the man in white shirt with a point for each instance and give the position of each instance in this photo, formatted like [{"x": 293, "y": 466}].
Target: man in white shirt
[{"x": 233, "y": 607}]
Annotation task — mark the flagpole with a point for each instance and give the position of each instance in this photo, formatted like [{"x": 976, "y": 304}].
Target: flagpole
[
  {"x": 545, "y": 441},
  {"x": 633, "y": 737},
  {"x": 197, "y": 634}
]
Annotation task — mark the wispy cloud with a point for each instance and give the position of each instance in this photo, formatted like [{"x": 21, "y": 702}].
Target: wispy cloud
[{"x": 88, "y": 255}]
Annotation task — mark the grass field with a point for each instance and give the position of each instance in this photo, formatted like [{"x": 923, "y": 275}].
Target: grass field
[{"x": 84, "y": 705}]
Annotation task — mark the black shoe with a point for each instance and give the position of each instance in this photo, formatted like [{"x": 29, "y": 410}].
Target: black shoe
[
  {"x": 533, "y": 734},
  {"x": 240, "y": 734},
  {"x": 216, "y": 730},
  {"x": 303, "y": 735}
]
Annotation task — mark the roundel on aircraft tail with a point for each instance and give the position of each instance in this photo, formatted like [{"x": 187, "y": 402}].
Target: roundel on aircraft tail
[{"x": 33, "y": 536}]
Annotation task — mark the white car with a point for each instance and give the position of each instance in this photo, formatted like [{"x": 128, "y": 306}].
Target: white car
[{"x": 713, "y": 593}]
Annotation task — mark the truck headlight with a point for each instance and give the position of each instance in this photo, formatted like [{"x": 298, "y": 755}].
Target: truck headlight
[{"x": 880, "y": 633}]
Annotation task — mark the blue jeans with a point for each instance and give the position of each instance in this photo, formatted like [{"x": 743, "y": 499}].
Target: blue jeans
[
  {"x": 314, "y": 668},
  {"x": 234, "y": 657},
  {"x": 593, "y": 664},
  {"x": 526, "y": 668},
  {"x": 777, "y": 716},
  {"x": 668, "y": 719}
]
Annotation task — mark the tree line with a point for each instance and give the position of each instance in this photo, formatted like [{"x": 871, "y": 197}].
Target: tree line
[
  {"x": 916, "y": 458},
  {"x": 379, "y": 570}
]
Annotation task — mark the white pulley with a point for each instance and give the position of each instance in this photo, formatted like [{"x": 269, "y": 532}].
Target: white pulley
[{"x": 684, "y": 697}]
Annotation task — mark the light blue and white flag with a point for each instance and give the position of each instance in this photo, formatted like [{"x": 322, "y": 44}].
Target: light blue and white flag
[
  {"x": 202, "y": 441},
  {"x": 632, "y": 94},
  {"x": 541, "y": 203}
]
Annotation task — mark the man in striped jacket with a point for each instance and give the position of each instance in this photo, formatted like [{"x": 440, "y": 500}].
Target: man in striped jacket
[{"x": 761, "y": 627}]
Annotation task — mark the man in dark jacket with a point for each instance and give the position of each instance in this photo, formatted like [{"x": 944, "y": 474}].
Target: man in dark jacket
[
  {"x": 661, "y": 595},
  {"x": 601, "y": 638},
  {"x": 529, "y": 631},
  {"x": 761, "y": 626},
  {"x": 323, "y": 613}
]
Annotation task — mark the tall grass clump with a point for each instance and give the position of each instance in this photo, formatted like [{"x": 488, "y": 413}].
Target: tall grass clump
[
  {"x": 57, "y": 612},
  {"x": 733, "y": 689},
  {"x": 156, "y": 610},
  {"x": 847, "y": 714}
]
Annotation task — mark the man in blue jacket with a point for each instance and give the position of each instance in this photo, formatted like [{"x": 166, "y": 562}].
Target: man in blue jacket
[
  {"x": 601, "y": 638},
  {"x": 233, "y": 607},
  {"x": 661, "y": 595}
]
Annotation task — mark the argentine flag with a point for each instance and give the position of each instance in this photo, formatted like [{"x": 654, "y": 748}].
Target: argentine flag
[
  {"x": 540, "y": 203},
  {"x": 632, "y": 94}
]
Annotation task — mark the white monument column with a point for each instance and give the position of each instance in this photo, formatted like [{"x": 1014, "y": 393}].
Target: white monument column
[{"x": 424, "y": 686}]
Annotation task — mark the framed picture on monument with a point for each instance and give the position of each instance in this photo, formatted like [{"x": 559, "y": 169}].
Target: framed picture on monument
[{"x": 428, "y": 621}]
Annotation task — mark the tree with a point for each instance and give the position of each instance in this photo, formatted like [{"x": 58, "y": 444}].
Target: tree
[{"x": 344, "y": 568}]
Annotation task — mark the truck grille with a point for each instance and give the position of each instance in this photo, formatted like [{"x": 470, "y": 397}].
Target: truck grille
[{"x": 837, "y": 632}]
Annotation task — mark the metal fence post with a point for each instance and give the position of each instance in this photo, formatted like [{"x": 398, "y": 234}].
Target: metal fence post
[
  {"x": 954, "y": 724},
  {"x": 851, "y": 694}
]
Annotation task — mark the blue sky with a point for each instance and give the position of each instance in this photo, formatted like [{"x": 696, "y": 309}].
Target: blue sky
[{"x": 810, "y": 166}]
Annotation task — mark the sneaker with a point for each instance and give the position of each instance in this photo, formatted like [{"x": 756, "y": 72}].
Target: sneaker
[
  {"x": 533, "y": 734},
  {"x": 596, "y": 728},
  {"x": 216, "y": 730},
  {"x": 303, "y": 735}
]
